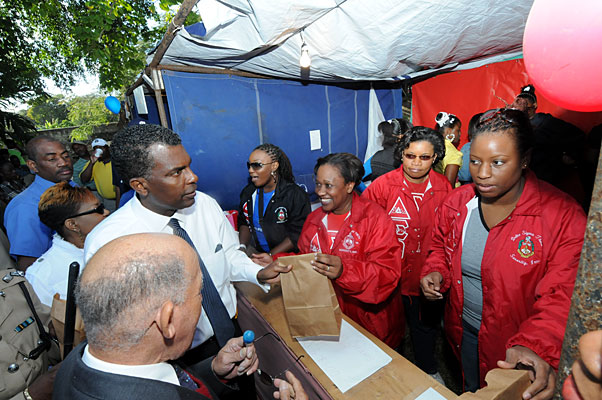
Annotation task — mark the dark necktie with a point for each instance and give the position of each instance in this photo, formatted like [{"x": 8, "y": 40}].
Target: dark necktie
[
  {"x": 190, "y": 382},
  {"x": 212, "y": 303},
  {"x": 184, "y": 379}
]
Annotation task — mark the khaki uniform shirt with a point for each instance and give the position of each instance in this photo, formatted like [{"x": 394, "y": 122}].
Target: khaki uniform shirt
[{"x": 16, "y": 370}]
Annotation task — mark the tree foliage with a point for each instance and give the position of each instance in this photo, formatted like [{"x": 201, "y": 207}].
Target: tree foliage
[
  {"x": 62, "y": 39},
  {"x": 48, "y": 111}
]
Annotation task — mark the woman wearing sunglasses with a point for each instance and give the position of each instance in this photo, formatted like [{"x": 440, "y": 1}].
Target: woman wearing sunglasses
[
  {"x": 71, "y": 212},
  {"x": 272, "y": 206},
  {"x": 354, "y": 242},
  {"x": 410, "y": 195},
  {"x": 505, "y": 254}
]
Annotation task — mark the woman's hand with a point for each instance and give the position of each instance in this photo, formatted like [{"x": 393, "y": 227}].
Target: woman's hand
[
  {"x": 327, "y": 265},
  {"x": 541, "y": 373},
  {"x": 431, "y": 286},
  {"x": 263, "y": 259}
]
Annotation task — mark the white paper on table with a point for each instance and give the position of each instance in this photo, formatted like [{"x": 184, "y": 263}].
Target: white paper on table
[
  {"x": 350, "y": 360},
  {"x": 430, "y": 394},
  {"x": 314, "y": 140}
]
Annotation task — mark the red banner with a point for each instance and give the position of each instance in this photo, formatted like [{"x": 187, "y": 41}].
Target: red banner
[{"x": 465, "y": 93}]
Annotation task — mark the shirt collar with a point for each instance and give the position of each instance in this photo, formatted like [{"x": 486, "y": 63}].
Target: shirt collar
[
  {"x": 162, "y": 371},
  {"x": 157, "y": 221}
]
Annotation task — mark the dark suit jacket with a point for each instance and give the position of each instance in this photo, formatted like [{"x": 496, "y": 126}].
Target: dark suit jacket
[{"x": 75, "y": 380}]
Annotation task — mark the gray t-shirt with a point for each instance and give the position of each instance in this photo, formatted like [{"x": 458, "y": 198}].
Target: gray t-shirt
[{"x": 475, "y": 238}]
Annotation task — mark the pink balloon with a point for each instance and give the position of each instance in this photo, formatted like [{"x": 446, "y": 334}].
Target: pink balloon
[{"x": 562, "y": 48}]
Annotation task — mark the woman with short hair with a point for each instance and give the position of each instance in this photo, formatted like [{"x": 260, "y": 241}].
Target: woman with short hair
[
  {"x": 410, "y": 195},
  {"x": 355, "y": 247},
  {"x": 72, "y": 212}
]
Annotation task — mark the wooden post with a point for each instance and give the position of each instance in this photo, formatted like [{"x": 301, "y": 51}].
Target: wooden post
[{"x": 585, "y": 314}]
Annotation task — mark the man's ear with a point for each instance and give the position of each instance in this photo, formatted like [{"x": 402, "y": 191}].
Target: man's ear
[
  {"x": 33, "y": 167},
  {"x": 140, "y": 186},
  {"x": 164, "y": 320},
  {"x": 275, "y": 166}
]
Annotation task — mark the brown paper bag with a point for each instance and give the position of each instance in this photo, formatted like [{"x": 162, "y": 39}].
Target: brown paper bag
[
  {"x": 57, "y": 313},
  {"x": 310, "y": 303}
]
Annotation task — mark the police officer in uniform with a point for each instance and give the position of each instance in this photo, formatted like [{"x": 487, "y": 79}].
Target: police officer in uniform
[{"x": 26, "y": 349}]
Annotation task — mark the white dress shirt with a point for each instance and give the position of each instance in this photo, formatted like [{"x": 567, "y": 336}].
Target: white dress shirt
[
  {"x": 163, "y": 371},
  {"x": 49, "y": 274},
  {"x": 213, "y": 236}
]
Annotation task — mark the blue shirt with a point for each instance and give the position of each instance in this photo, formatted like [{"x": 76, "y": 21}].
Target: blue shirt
[
  {"x": 28, "y": 236},
  {"x": 267, "y": 196},
  {"x": 464, "y": 172}
]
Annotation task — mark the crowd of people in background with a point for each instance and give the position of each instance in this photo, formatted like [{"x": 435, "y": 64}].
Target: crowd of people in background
[{"x": 481, "y": 237}]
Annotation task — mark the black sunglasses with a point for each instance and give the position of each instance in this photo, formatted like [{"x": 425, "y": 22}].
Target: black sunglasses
[
  {"x": 98, "y": 210},
  {"x": 257, "y": 165},
  {"x": 264, "y": 377},
  {"x": 422, "y": 157}
]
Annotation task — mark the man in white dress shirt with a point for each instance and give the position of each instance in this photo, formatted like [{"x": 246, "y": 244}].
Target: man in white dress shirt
[
  {"x": 139, "y": 297},
  {"x": 156, "y": 165}
]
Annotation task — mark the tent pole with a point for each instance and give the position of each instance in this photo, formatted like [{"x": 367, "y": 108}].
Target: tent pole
[
  {"x": 586, "y": 309},
  {"x": 159, "y": 97}
]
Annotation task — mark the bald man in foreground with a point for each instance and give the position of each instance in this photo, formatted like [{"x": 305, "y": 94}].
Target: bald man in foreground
[{"x": 140, "y": 299}]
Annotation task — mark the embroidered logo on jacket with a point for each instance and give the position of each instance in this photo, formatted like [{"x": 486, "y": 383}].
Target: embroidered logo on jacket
[
  {"x": 526, "y": 248},
  {"x": 350, "y": 242},
  {"x": 245, "y": 211},
  {"x": 314, "y": 245},
  {"x": 281, "y": 215},
  {"x": 526, "y": 243},
  {"x": 400, "y": 216}
]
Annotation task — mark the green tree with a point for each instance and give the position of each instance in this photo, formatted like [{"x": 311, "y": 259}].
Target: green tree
[
  {"x": 48, "y": 110},
  {"x": 86, "y": 112}
]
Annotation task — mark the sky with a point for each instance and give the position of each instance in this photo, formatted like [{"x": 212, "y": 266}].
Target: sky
[{"x": 87, "y": 85}]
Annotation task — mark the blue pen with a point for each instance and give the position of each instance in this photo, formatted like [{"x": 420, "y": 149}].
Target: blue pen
[{"x": 248, "y": 337}]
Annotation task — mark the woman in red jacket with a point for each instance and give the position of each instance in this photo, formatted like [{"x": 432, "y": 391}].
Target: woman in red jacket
[
  {"x": 410, "y": 195},
  {"x": 506, "y": 251},
  {"x": 354, "y": 242}
]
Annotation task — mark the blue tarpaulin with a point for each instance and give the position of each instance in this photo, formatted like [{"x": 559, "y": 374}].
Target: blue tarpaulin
[{"x": 222, "y": 118}]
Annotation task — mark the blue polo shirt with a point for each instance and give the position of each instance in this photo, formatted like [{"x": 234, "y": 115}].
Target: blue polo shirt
[{"x": 28, "y": 236}]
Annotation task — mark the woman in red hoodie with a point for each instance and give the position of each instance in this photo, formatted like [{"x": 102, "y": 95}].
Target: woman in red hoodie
[
  {"x": 505, "y": 253},
  {"x": 410, "y": 195},
  {"x": 355, "y": 246}
]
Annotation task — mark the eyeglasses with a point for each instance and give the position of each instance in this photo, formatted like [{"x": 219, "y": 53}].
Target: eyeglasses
[
  {"x": 257, "y": 165},
  {"x": 264, "y": 377},
  {"x": 422, "y": 157},
  {"x": 98, "y": 210}
]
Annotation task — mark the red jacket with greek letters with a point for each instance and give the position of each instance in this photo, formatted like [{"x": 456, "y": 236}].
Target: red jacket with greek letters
[
  {"x": 368, "y": 288},
  {"x": 528, "y": 271},
  {"x": 414, "y": 222}
]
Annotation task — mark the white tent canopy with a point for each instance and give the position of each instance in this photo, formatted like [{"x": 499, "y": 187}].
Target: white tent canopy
[{"x": 350, "y": 40}]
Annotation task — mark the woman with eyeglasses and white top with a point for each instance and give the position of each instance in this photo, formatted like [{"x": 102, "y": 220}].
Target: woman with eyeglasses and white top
[
  {"x": 448, "y": 125},
  {"x": 72, "y": 212},
  {"x": 504, "y": 256},
  {"x": 272, "y": 206},
  {"x": 410, "y": 195}
]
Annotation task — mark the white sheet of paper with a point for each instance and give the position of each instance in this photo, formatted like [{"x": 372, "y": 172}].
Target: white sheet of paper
[
  {"x": 314, "y": 140},
  {"x": 350, "y": 360},
  {"x": 430, "y": 394}
]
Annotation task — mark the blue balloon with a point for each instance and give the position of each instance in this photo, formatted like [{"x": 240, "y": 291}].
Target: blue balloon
[{"x": 113, "y": 104}]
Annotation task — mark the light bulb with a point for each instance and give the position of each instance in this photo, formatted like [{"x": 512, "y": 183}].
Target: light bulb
[{"x": 305, "y": 59}]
